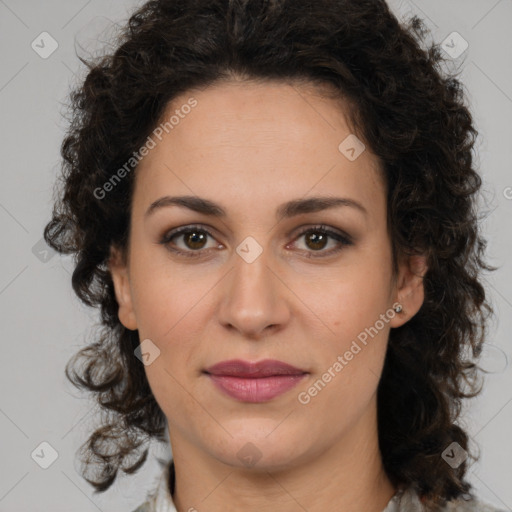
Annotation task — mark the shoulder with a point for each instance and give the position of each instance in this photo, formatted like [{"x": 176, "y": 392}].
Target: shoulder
[
  {"x": 474, "y": 505},
  {"x": 145, "y": 507}
]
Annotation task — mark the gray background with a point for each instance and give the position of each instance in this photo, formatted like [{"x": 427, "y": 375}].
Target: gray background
[{"x": 42, "y": 322}]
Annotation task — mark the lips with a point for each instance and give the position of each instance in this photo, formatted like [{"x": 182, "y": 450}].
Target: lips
[
  {"x": 259, "y": 369},
  {"x": 254, "y": 382}
]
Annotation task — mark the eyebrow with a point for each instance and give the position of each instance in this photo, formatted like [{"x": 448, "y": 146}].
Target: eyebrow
[{"x": 286, "y": 210}]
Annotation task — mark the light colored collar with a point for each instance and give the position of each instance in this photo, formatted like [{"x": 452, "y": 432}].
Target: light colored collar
[
  {"x": 161, "y": 499},
  {"x": 404, "y": 501},
  {"x": 164, "y": 501}
]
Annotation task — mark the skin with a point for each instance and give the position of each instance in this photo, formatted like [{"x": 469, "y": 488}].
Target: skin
[{"x": 251, "y": 147}]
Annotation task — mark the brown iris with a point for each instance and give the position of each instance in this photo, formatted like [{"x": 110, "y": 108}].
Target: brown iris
[
  {"x": 318, "y": 240},
  {"x": 192, "y": 238}
]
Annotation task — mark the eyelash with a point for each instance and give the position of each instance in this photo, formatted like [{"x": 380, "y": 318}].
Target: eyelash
[{"x": 342, "y": 239}]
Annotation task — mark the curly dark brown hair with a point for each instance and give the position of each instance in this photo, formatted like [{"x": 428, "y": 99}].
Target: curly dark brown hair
[{"x": 410, "y": 112}]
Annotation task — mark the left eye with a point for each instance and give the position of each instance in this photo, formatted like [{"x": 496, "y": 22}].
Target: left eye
[
  {"x": 317, "y": 238},
  {"x": 195, "y": 238}
]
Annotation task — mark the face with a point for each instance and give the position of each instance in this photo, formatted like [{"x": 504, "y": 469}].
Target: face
[{"x": 277, "y": 276}]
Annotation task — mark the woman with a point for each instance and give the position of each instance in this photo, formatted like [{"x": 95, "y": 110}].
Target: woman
[{"x": 272, "y": 203}]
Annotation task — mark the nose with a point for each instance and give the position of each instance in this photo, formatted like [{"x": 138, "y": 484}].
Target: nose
[{"x": 254, "y": 298}]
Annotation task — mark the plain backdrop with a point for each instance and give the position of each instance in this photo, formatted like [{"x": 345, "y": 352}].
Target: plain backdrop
[{"x": 42, "y": 322}]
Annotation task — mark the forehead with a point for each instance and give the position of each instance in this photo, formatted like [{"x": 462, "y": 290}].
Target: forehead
[{"x": 269, "y": 140}]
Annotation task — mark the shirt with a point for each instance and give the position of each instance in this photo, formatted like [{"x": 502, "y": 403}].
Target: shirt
[{"x": 403, "y": 500}]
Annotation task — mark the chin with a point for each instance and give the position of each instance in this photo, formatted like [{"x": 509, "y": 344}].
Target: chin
[{"x": 258, "y": 451}]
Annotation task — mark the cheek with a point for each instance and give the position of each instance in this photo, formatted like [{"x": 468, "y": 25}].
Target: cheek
[
  {"x": 357, "y": 298},
  {"x": 167, "y": 296},
  {"x": 352, "y": 359},
  {"x": 173, "y": 306}
]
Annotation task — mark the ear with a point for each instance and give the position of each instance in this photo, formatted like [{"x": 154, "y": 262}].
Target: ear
[
  {"x": 120, "y": 276},
  {"x": 409, "y": 292}
]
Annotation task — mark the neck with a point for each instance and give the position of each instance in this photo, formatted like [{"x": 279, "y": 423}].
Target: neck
[{"x": 347, "y": 476}]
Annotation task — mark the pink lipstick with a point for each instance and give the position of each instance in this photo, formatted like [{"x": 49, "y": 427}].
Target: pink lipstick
[{"x": 254, "y": 382}]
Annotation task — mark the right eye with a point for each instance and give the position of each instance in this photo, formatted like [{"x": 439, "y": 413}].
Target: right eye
[{"x": 194, "y": 239}]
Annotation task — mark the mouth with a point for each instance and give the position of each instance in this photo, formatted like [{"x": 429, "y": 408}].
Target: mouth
[
  {"x": 259, "y": 369},
  {"x": 261, "y": 381}
]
